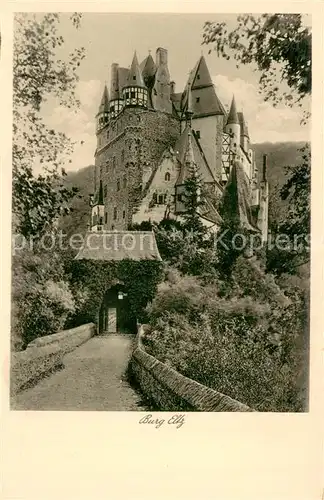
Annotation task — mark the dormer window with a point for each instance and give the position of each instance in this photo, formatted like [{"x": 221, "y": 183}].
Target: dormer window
[
  {"x": 167, "y": 176},
  {"x": 198, "y": 134}
]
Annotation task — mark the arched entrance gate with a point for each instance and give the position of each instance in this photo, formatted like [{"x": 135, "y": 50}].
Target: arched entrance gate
[{"x": 115, "y": 313}]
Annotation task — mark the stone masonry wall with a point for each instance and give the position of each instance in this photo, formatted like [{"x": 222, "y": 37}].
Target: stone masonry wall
[
  {"x": 129, "y": 150},
  {"x": 171, "y": 391},
  {"x": 44, "y": 355}
]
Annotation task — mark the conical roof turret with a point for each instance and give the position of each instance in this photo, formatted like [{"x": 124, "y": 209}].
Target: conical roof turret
[
  {"x": 189, "y": 107},
  {"x": 100, "y": 194},
  {"x": 104, "y": 104},
  {"x": 135, "y": 74},
  {"x": 148, "y": 68},
  {"x": 233, "y": 116}
]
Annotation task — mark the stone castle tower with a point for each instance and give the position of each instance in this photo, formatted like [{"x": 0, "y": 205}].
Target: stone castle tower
[{"x": 150, "y": 139}]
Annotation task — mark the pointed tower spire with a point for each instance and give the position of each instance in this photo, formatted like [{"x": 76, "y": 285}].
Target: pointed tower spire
[
  {"x": 134, "y": 92},
  {"x": 135, "y": 76},
  {"x": 104, "y": 104},
  {"x": 100, "y": 194},
  {"x": 189, "y": 107},
  {"x": 103, "y": 112},
  {"x": 233, "y": 116},
  {"x": 189, "y": 159}
]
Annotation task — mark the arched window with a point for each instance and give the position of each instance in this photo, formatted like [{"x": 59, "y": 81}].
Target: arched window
[
  {"x": 115, "y": 213},
  {"x": 161, "y": 199},
  {"x": 124, "y": 181},
  {"x": 167, "y": 176},
  {"x": 118, "y": 185}
]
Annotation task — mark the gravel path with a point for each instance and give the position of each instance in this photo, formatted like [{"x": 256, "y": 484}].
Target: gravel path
[{"x": 93, "y": 378}]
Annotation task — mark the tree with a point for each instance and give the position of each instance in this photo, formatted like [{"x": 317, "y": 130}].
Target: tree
[
  {"x": 278, "y": 44},
  {"x": 40, "y": 75},
  {"x": 295, "y": 225},
  {"x": 280, "y": 47},
  {"x": 193, "y": 201}
]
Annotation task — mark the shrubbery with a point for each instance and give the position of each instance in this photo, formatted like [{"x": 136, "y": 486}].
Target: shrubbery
[
  {"x": 247, "y": 348},
  {"x": 42, "y": 299}
]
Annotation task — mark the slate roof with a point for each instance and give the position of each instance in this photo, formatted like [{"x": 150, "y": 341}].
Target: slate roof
[
  {"x": 104, "y": 104},
  {"x": 232, "y": 115},
  {"x": 244, "y": 127},
  {"x": 209, "y": 212},
  {"x": 148, "y": 67},
  {"x": 135, "y": 75},
  {"x": 188, "y": 140},
  {"x": 119, "y": 245},
  {"x": 236, "y": 198},
  {"x": 204, "y": 98},
  {"x": 98, "y": 197}
]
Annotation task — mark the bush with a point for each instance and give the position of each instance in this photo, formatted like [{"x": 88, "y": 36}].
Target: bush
[
  {"x": 41, "y": 296},
  {"x": 245, "y": 348}
]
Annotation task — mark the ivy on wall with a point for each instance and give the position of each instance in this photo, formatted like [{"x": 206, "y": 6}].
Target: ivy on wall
[{"x": 94, "y": 278}]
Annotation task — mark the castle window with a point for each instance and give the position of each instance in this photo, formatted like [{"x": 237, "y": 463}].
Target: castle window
[
  {"x": 197, "y": 99},
  {"x": 123, "y": 155},
  {"x": 105, "y": 191},
  {"x": 115, "y": 213},
  {"x": 124, "y": 214},
  {"x": 154, "y": 199},
  {"x": 167, "y": 176},
  {"x": 198, "y": 134},
  {"x": 112, "y": 227},
  {"x": 164, "y": 198},
  {"x": 106, "y": 217},
  {"x": 134, "y": 77},
  {"x": 114, "y": 161},
  {"x": 161, "y": 197},
  {"x": 198, "y": 77},
  {"x": 124, "y": 181},
  {"x": 118, "y": 185}
]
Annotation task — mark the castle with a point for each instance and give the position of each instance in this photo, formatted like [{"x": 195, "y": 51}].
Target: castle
[{"x": 150, "y": 139}]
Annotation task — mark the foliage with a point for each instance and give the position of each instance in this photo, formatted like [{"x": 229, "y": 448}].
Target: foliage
[
  {"x": 40, "y": 74},
  {"x": 240, "y": 347},
  {"x": 278, "y": 44},
  {"x": 295, "y": 223},
  {"x": 41, "y": 296},
  {"x": 193, "y": 201},
  {"x": 94, "y": 278}
]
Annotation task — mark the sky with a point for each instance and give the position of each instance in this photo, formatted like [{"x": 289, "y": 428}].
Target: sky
[{"x": 109, "y": 38}]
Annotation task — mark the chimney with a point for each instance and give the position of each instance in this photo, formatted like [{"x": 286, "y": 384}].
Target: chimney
[
  {"x": 172, "y": 87},
  {"x": 264, "y": 168},
  {"x": 114, "y": 81},
  {"x": 161, "y": 56}
]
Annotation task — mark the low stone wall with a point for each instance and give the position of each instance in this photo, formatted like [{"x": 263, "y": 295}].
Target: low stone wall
[
  {"x": 44, "y": 355},
  {"x": 171, "y": 391}
]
